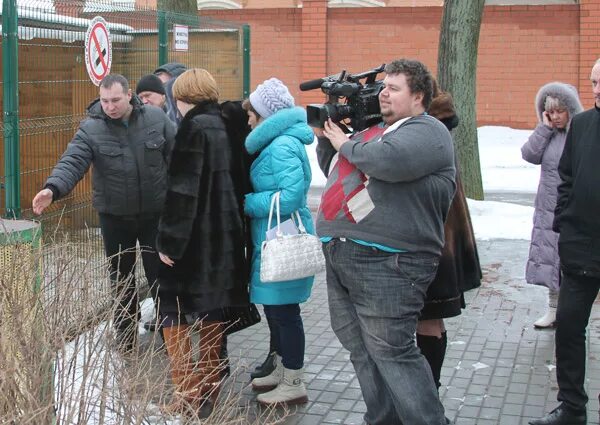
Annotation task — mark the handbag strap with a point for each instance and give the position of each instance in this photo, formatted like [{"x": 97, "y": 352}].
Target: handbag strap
[
  {"x": 301, "y": 227},
  {"x": 274, "y": 201},
  {"x": 275, "y": 206}
]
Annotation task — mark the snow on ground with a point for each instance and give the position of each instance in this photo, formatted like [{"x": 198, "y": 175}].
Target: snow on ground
[
  {"x": 500, "y": 220},
  {"x": 502, "y": 168}
]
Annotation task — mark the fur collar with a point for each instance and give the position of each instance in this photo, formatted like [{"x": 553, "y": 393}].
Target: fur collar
[
  {"x": 187, "y": 126},
  {"x": 566, "y": 93},
  {"x": 204, "y": 107},
  {"x": 289, "y": 122}
]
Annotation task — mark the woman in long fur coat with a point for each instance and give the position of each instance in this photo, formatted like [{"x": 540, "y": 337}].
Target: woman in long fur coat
[
  {"x": 459, "y": 269},
  {"x": 555, "y": 105},
  {"x": 200, "y": 240}
]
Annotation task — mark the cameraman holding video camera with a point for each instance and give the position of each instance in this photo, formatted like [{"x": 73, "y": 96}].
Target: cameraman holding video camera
[{"x": 381, "y": 221}]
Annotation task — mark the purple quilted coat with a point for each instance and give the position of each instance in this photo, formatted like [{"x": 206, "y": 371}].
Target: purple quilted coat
[{"x": 544, "y": 147}]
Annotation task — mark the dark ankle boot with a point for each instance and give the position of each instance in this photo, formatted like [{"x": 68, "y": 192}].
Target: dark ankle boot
[
  {"x": 434, "y": 350},
  {"x": 562, "y": 416},
  {"x": 265, "y": 369}
]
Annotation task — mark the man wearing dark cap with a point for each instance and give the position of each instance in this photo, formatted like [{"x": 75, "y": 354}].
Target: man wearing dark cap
[{"x": 151, "y": 91}]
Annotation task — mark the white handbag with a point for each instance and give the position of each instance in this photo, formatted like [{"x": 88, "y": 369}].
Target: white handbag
[{"x": 289, "y": 257}]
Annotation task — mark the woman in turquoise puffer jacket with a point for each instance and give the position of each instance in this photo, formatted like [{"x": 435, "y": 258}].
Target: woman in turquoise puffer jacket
[{"x": 279, "y": 133}]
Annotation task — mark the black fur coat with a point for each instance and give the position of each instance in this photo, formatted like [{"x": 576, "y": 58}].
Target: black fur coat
[{"x": 202, "y": 225}]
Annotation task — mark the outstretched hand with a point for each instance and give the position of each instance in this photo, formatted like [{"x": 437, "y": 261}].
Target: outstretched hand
[
  {"x": 335, "y": 134},
  {"x": 41, "y": 201}
]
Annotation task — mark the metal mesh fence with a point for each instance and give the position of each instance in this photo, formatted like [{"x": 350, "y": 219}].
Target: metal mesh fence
[{"x": 54, "y": 90}]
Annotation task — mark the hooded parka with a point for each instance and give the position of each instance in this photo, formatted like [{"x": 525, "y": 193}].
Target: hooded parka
[
  {"x": 544, "y": 147},
  {"x": 282, "y": 166}
]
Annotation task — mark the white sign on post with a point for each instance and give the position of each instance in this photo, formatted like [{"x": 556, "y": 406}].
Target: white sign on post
[
  {"x": 181, "y": 37},
  {"x": 98, "y": 50}
]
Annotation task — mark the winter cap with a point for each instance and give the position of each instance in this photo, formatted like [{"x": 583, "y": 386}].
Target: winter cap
[
  {"x": 151, "y": 83},
  {"x": 271, "y": 96},
  {"x": 174, "y": 69}
]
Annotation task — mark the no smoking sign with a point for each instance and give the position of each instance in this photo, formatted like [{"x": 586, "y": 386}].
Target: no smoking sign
[{"x": 98, "y": 50}]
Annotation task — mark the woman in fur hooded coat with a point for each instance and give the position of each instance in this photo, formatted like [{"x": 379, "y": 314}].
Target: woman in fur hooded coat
[{"x": 555, "y": 105}]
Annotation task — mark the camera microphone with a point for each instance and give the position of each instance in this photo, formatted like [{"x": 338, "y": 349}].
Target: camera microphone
[{"x": 312, "y": 84}]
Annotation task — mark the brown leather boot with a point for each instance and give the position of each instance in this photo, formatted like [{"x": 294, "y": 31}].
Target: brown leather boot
[
  {"x": 210, "y": 363},
  {"x": 187, "y": 393}
]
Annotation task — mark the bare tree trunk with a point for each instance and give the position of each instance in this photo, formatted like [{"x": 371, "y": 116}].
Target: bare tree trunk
[
  {"x": 179, "y": 6},
  {"x": 457, "y": 65}
]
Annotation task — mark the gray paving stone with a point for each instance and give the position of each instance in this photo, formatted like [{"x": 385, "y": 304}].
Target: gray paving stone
[{"x": 495, "y": 329}]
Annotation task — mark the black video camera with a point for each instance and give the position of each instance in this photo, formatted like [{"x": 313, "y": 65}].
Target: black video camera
[{"x": 361, "y": 102}]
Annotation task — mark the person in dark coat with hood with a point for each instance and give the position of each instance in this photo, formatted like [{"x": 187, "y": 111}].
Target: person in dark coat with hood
[
  {"x": 168, "y": 73},
  {"x": 459, "y": 269},
  {"x": 555, "y": 105},
  {"x": 200, "y": 241}
]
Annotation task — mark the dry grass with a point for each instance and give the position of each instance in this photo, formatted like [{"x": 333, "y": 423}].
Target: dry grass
[{"x": 58, "y": 357}]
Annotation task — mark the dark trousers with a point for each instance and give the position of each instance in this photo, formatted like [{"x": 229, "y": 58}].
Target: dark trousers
[
  {"x": 120, "y": 234},
  {"x": 575, "y": 299},
  {"x": 287, "y": 331}
]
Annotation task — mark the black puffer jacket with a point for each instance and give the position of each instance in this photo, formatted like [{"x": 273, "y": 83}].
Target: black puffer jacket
[
  {"x": 578, "y": 205},
  {"x": 130, "y": 162}
]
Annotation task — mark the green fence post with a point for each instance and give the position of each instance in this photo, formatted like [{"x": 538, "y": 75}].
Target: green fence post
[
  {"x": 10, "y": 63},
  {"x": 163, "y": 38},
  {"x": 246, "y": 41}
]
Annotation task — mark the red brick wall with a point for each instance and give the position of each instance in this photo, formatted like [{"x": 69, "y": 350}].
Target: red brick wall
[
  {"x": 275, "y": 42},
  {"x": 521, "y": 48},
  {"x": 589, "y": 47}
]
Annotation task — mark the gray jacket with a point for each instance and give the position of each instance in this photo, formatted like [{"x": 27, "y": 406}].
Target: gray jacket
[
  {"x": 544, "y": 147},
  {"x": 130, "y": 161},
  {"x": 394, "y": 189}
]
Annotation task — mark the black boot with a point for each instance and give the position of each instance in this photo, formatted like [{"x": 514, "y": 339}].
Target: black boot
[
  {"x": 562, "y": 416},
  {"x": 434, "y": 350},
  {"x": 267, "y": 366}
]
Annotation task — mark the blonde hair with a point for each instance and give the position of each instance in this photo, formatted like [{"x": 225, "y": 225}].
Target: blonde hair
[
  {"x": 194, "y": 86},
  {"x": 553, "y": 103}
]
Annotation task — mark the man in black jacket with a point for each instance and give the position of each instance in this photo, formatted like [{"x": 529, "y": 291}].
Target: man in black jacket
[
  {"x": 576, "y": 219},
  {"x": 128, "y": 143}
]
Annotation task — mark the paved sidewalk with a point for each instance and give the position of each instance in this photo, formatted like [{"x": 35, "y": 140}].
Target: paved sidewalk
[{"x": 498, "y": 369}]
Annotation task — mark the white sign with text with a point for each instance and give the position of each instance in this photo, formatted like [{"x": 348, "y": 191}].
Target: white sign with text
[{"x": 181, "y": 37}]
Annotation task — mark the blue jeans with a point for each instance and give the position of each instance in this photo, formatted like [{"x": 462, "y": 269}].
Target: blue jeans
[
  {"x": 375, "y": 298},
  {"x": 287, "y": 331}
]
